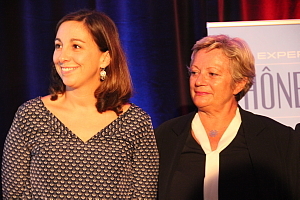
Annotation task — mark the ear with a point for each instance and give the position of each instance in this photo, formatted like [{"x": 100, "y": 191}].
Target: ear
[
  {"x": 105, "y": 59},
  {"x": 239, "y": 86}
]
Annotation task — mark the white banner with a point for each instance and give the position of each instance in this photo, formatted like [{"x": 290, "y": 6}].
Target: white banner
[{"x": 276, "y": 48}]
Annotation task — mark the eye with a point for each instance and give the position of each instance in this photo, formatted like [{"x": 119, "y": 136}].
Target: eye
[
  {"x": 76, "y": 46},
  {"x": 193, "y": 72},
  {"x": 57, "y": 46},
  {"x": 213, "y": 74}
]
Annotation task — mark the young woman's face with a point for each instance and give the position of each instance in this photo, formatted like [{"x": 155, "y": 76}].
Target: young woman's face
[
  {"x": 211, "y": 84},
  {"x": 77, "y": 57}
]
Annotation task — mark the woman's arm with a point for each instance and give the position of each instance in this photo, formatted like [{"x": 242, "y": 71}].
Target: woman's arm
[
  {"x": 145, "y": 164},
  {"x": 16, "y": 162}
]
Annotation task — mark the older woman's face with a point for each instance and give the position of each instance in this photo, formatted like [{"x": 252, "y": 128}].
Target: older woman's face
[{"x": 211, "y": 83}]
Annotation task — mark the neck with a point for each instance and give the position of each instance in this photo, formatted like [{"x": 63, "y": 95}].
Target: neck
[
  {"x": 216, "y": 122},
  {"x": 79, "y": 98},
  {"x": 217, "y": 114}
]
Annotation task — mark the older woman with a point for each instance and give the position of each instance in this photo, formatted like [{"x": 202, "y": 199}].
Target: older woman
[
  {"x": 221, "y": 151},
  {"x": 84, "y": 140}
]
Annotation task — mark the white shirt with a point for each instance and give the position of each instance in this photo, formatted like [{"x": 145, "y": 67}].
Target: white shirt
[{"x": 211, "y": 179}]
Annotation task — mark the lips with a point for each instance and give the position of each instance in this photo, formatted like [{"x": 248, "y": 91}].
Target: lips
[{"x": 201, "y": 93}]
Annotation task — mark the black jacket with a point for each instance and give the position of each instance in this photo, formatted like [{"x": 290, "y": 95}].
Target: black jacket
[
  {"x": 297, "y": 128},
  {"x": 274, "y": 150}
]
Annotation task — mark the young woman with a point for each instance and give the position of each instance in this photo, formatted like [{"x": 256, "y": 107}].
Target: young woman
[{"x": 84, "y": 140}]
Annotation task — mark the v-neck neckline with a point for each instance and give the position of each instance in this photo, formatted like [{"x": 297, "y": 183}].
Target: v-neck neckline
[{"x": 76, "y": 136}]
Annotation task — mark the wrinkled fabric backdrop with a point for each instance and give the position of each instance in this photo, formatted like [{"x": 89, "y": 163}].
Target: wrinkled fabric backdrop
[{"x": 157, "y": 36}]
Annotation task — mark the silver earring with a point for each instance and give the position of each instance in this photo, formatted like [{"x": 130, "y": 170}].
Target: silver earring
[{"x": 102, "y": 74}]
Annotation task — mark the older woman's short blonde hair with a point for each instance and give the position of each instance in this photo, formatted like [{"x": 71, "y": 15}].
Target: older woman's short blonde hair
[{"x": 239, "y": 54}]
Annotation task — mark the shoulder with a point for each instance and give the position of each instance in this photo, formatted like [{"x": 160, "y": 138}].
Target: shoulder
[
  {"x": 255, "y": 122},
  {"x": 31, "y": 105},
  {"x": 135, "y": 124},
  {"x": 28, "y": 115},
  {"x": 134, "y": 109},
  {"x": 181, "y": 119},
  {"x": 264, "y": 134},
  {"x": 178, "y": 124},
  {"x": 297, "y": 128},
  {"x": 137, "y": 116}
]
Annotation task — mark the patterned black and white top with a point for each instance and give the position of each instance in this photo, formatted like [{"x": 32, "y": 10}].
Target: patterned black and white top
[{"x": 43, "y": 159}]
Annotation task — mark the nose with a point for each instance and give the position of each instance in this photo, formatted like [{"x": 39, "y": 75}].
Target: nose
[
  {"x": 200, "y": 79},
  {"x": 63, "y": 55}
]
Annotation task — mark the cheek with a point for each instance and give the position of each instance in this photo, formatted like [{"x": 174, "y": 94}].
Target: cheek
[
  {"x": 192, "y": 87},
  {"x": 83, "y": 59},
  {"x": 58, "y": 70},
  {"x": 222, "y": 84},
  {"x": 55, "y": 57},
  {"x": 192, "y": 82}
]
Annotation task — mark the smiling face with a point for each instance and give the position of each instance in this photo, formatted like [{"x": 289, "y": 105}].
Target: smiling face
[
  {"x": 77, "y": 57},
  {"x": 211, "y": 83}
]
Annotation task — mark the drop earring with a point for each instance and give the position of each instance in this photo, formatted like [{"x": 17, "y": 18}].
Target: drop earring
[{"x": 102, "y": 74}]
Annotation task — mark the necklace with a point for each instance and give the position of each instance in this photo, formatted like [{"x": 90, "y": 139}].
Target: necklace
[{"x": 213, "y": 133}]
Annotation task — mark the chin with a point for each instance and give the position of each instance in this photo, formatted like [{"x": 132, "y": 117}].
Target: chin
[
  {"x": 200, "y": 106},
  {"x": 69, "y": 84},
  {"x": 200, "y": 102}
]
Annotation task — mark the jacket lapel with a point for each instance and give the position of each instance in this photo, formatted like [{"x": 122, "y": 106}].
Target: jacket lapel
[
  {"x": 263, "y": 154},
  {"x": 172, "y": 140}
]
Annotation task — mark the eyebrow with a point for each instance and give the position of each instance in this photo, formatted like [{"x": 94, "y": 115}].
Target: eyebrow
[
  {"x": 214, "y": 67},
  {"x": 72, "y": 40},
  {"x": 194, "y": 66}
]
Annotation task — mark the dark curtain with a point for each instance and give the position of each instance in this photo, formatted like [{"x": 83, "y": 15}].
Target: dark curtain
[{"x": 157, "y": 37}]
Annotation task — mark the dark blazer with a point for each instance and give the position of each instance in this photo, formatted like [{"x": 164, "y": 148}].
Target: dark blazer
[
  {"x": 297, "y": 128},
  {"x": 273, "y": 149}
]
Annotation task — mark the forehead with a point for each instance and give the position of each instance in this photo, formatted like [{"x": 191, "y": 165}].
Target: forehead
[
  {"x": 73, "y": 29},
  {"x": 212, "y": 58}
]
